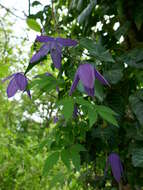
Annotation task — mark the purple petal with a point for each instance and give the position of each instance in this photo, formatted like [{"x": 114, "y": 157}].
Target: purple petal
[
  {"x": 7, "y": 78},
  {"x": 48, "y": 74},
  {"x": 116, "y": 166},
  {"x": 21, "y": 81},
  {"x": 66, "y": 42},
  {"x": 12, "y": 88},
  {"x": 28, "y": 93},
  {"x": 75, "y": 111},
  {"x": 89, "y": 91},
  {"x": 56, "y": 53},
  {"x": 44, "y": 39},
  {"x": 41, "y": 53},
  {"x": 74, "y": 84},
  {"x": 86, "y": 75},
  {"x": 100, "y": 78},
  {"x": 56, "y": 119}
]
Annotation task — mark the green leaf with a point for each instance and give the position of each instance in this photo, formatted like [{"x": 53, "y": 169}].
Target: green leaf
[
  {"x": 75, "y": 157},
  {"x": 107, "y": 114},
  {"x": 58, "y": 178},
  {"x": 65, "y": 157},
  {"x": 96, "y": 50},
  {"x": 83, "y": 102},
  {"x": 105, "y": 109},
  {"x": 33, "y": 24},
  {"x": 113, "y": 75},
  {"x": 78, "y": 148},
  {"x": 79, "y": 5},
  {"x": 137, "y": 157},
  {"x": 50, "y": 162},
  {"x": 86, "y": 12},
  {"x": 137, "y": 105},
  {"x": 122, "y": 30},
  {"x": 134, "y": 58},
  {"x": 99, "y": 90},
  {"x": 68, "y": 107},
  {"x": 92, "y": 115},
  {"x": 35, "y": 3}
]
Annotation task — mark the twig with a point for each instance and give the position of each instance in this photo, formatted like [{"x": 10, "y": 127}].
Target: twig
[
  {"x": 9, "y": 11},
  {"x": 29, "y": 7}
]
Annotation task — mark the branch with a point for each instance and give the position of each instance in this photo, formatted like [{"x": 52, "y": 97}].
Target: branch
[
  {"x": 29, "y": 7},
  {"x": 9, "y": 11}
]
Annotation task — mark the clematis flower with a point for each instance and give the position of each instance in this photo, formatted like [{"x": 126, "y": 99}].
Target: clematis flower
[
  {"x": 56, "y": 119},
  {"x": 18, "y": 82},
  {"x": 54, "y": 46},
  {"x": 87, "y": 74},
  {"x": 75, "y": 111},
  {"x": 116, "y": 166}
]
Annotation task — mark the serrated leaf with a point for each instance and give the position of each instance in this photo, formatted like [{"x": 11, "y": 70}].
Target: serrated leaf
[
  {"x": 137, "y": 106},
  {"x": 105, "y": 109},
  {"x": 68, "y": 107},
  {"x": 86, "y": 12},
  {"x": 79, "y": 5},
  {"x": 65, "y": 157},
  {"x": 113, "y": 75},
  {"x": 134, "y": 58},
  {"x": 99, "y": 90},
  {"x": 96, "y": 50},
  {"x": 107, "y": 114},
  {"x": 75, "y": 157},
  {"x": 92, "y": 115},
  {"x": 50, "y": 162},
  {"x": 137, "y": 157},
  {"x": 78, "y": 148},
  {"x": 33, "y": 24},
  {"x": 83, "y": 102}
]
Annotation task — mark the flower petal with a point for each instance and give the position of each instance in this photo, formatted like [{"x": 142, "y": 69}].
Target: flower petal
[
  {"x": 89, "y": 91},
  {"x": 74, "y": 84},
  {"x": 7, "y": 78},
  {"x": 66, "y": 41},
  {"x": 86, "y": 75},
  {"x": 100, "y": 78},
  {"x": 12, "y": 88},
  {"x": 44, "y": 39},
  {"x": 116, "y": 166},
  {"x": 28, "y": 93},
  {"x": 41, "y": 53},
  {"x": 21, "y": 81},
  {"x": 56, "y": 55}
]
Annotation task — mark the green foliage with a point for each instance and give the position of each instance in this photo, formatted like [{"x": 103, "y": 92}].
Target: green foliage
[
  {"x": 37, "y": 153},
  {"x": 33, "y": 24}
]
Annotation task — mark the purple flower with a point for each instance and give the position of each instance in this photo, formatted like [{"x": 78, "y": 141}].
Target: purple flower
[
  {"x": 87, "y": 74},
  {"x": 75, "y": 111},
  {"x": 54, "y": 46},
  {"x": 56, "y": 119},
  {"x": 116, "y": 166},
  {"x": 18, "y": 82}
]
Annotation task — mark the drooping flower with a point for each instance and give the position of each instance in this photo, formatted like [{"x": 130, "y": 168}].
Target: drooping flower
[
  {"x": 54, "y": 46},
  {"x": 75, "y": 111},
  {"x": 18, "y": 82},
  {"x": 87, "y": 74},
  {"x": 56, "y": 119},
  {"x": 116, "y": 166}
]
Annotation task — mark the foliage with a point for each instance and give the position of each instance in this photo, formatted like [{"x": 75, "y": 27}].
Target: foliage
[{"x": 71, "y": 154}]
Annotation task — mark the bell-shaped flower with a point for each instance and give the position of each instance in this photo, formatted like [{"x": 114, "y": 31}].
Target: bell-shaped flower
[
  {"x": 54, "y": 46},
  {"x": 116, "y": 166},
  {"x": 87, "y": 74},
  {"x": 18, "y": 82}
]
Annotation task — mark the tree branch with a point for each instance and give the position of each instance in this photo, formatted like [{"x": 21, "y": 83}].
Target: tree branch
[{"x": 9, "y": 11}]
